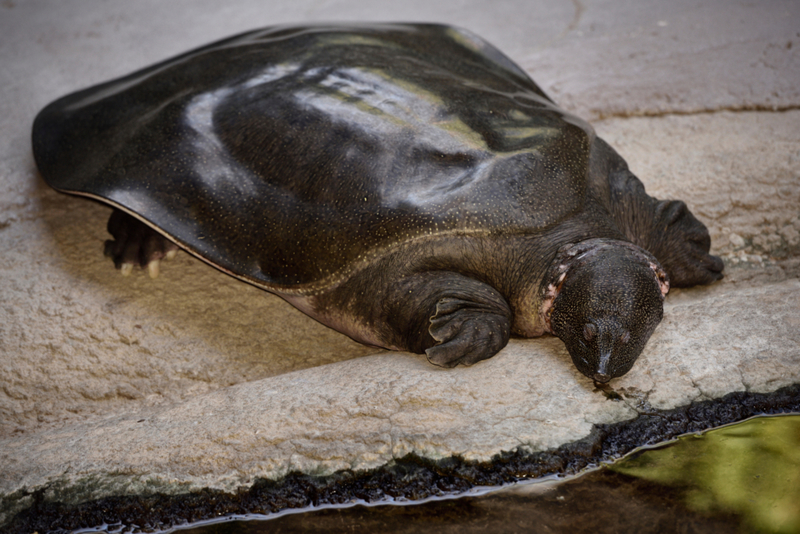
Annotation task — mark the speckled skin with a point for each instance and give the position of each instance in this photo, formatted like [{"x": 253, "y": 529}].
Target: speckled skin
[{"x": 407, "y": 185}]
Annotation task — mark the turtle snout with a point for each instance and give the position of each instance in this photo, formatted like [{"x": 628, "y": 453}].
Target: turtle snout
[
  {"x": 602, "y": 374},
  {"x": 601, "y": 377}
]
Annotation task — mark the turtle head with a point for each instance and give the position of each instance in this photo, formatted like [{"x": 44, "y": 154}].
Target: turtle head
[{"x": 606, "y": 302}]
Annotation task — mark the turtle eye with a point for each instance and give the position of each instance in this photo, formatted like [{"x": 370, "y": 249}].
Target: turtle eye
[
  {"x": 625, "y": 337},
  {"x": 589, "y": 331}
]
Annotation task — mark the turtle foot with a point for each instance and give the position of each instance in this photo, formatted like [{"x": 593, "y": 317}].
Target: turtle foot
[
  {"x": 466, "y": 333},
  {"x": 683, "y": 245},
  {"x": 135, "y": 243}
]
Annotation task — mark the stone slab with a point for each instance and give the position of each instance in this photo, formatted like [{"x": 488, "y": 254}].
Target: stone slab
[
  {"x": 363, "y": 413},
  {"x": 686, "y": 56}
]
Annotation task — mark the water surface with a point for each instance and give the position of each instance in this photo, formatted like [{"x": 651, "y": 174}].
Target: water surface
[{"x": 738, "y": 478}]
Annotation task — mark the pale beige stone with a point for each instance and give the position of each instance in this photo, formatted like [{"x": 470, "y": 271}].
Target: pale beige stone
[
  {"x": 362, "y": 413},
  {"x": 686, "y": 56}
]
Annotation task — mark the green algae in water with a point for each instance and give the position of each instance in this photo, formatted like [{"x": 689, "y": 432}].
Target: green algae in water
[
  {"x": 739, "y": 478},
  {"x": 751, "y": 469}
]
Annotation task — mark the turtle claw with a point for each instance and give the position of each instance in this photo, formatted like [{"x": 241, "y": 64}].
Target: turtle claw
[
  {"x": 126, "y": 269},
  {"x": 152, "y": 268}
]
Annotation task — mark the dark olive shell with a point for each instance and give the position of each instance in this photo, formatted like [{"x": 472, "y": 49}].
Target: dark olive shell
[{"x": 288, "y": 154}]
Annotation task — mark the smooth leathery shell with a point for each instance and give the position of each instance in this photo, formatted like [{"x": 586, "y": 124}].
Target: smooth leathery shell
[{"x": 286, "y": 155}]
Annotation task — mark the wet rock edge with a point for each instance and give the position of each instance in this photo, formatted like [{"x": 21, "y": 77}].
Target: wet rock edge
[{"x": 406, "y": 479}]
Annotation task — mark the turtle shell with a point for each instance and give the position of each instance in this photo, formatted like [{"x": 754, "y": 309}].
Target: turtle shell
[{"x": 287, "y": 155}]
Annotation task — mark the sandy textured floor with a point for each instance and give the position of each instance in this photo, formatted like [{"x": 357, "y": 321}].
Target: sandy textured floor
[{"x": 702, "y": 99}]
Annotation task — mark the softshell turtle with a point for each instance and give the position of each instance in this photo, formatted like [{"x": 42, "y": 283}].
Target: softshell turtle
[{"x": 405, "y": 184}]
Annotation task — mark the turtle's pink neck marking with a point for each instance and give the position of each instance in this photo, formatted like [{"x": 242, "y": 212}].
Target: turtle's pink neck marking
[
  {"x": 661, "y": 277},
  {"x": 549, "y": 297}
]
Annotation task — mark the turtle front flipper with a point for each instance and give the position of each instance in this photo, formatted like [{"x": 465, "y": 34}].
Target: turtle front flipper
[
  {"x": 451, "y": 318},
  {"x": 666, "y": 229},
  {"x": 135, "y": 243},
  {"x": 466, "y": 332}
]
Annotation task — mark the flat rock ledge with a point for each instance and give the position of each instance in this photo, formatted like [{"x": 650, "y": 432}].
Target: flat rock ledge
[
  {"x": 406, "y": 479},
  {"x": 392, "y": 421}
]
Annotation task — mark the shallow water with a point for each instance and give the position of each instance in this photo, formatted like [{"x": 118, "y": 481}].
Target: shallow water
[{"x": 739, "y": 478}]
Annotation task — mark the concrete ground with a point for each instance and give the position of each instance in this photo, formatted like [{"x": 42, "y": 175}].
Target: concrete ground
[{"x": 197, "y": 380}]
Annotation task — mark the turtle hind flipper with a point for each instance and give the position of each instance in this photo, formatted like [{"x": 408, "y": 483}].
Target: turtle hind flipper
[
  {"x": 666, "y": 229},
  {"x": 135, "y": 243}
]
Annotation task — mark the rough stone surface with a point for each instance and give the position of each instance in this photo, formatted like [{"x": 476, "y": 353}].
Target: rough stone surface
[
  {"x": 684, "y": 56},
  {"x": 112, "y": 385},
  {"x": 362, "y": 413}
]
